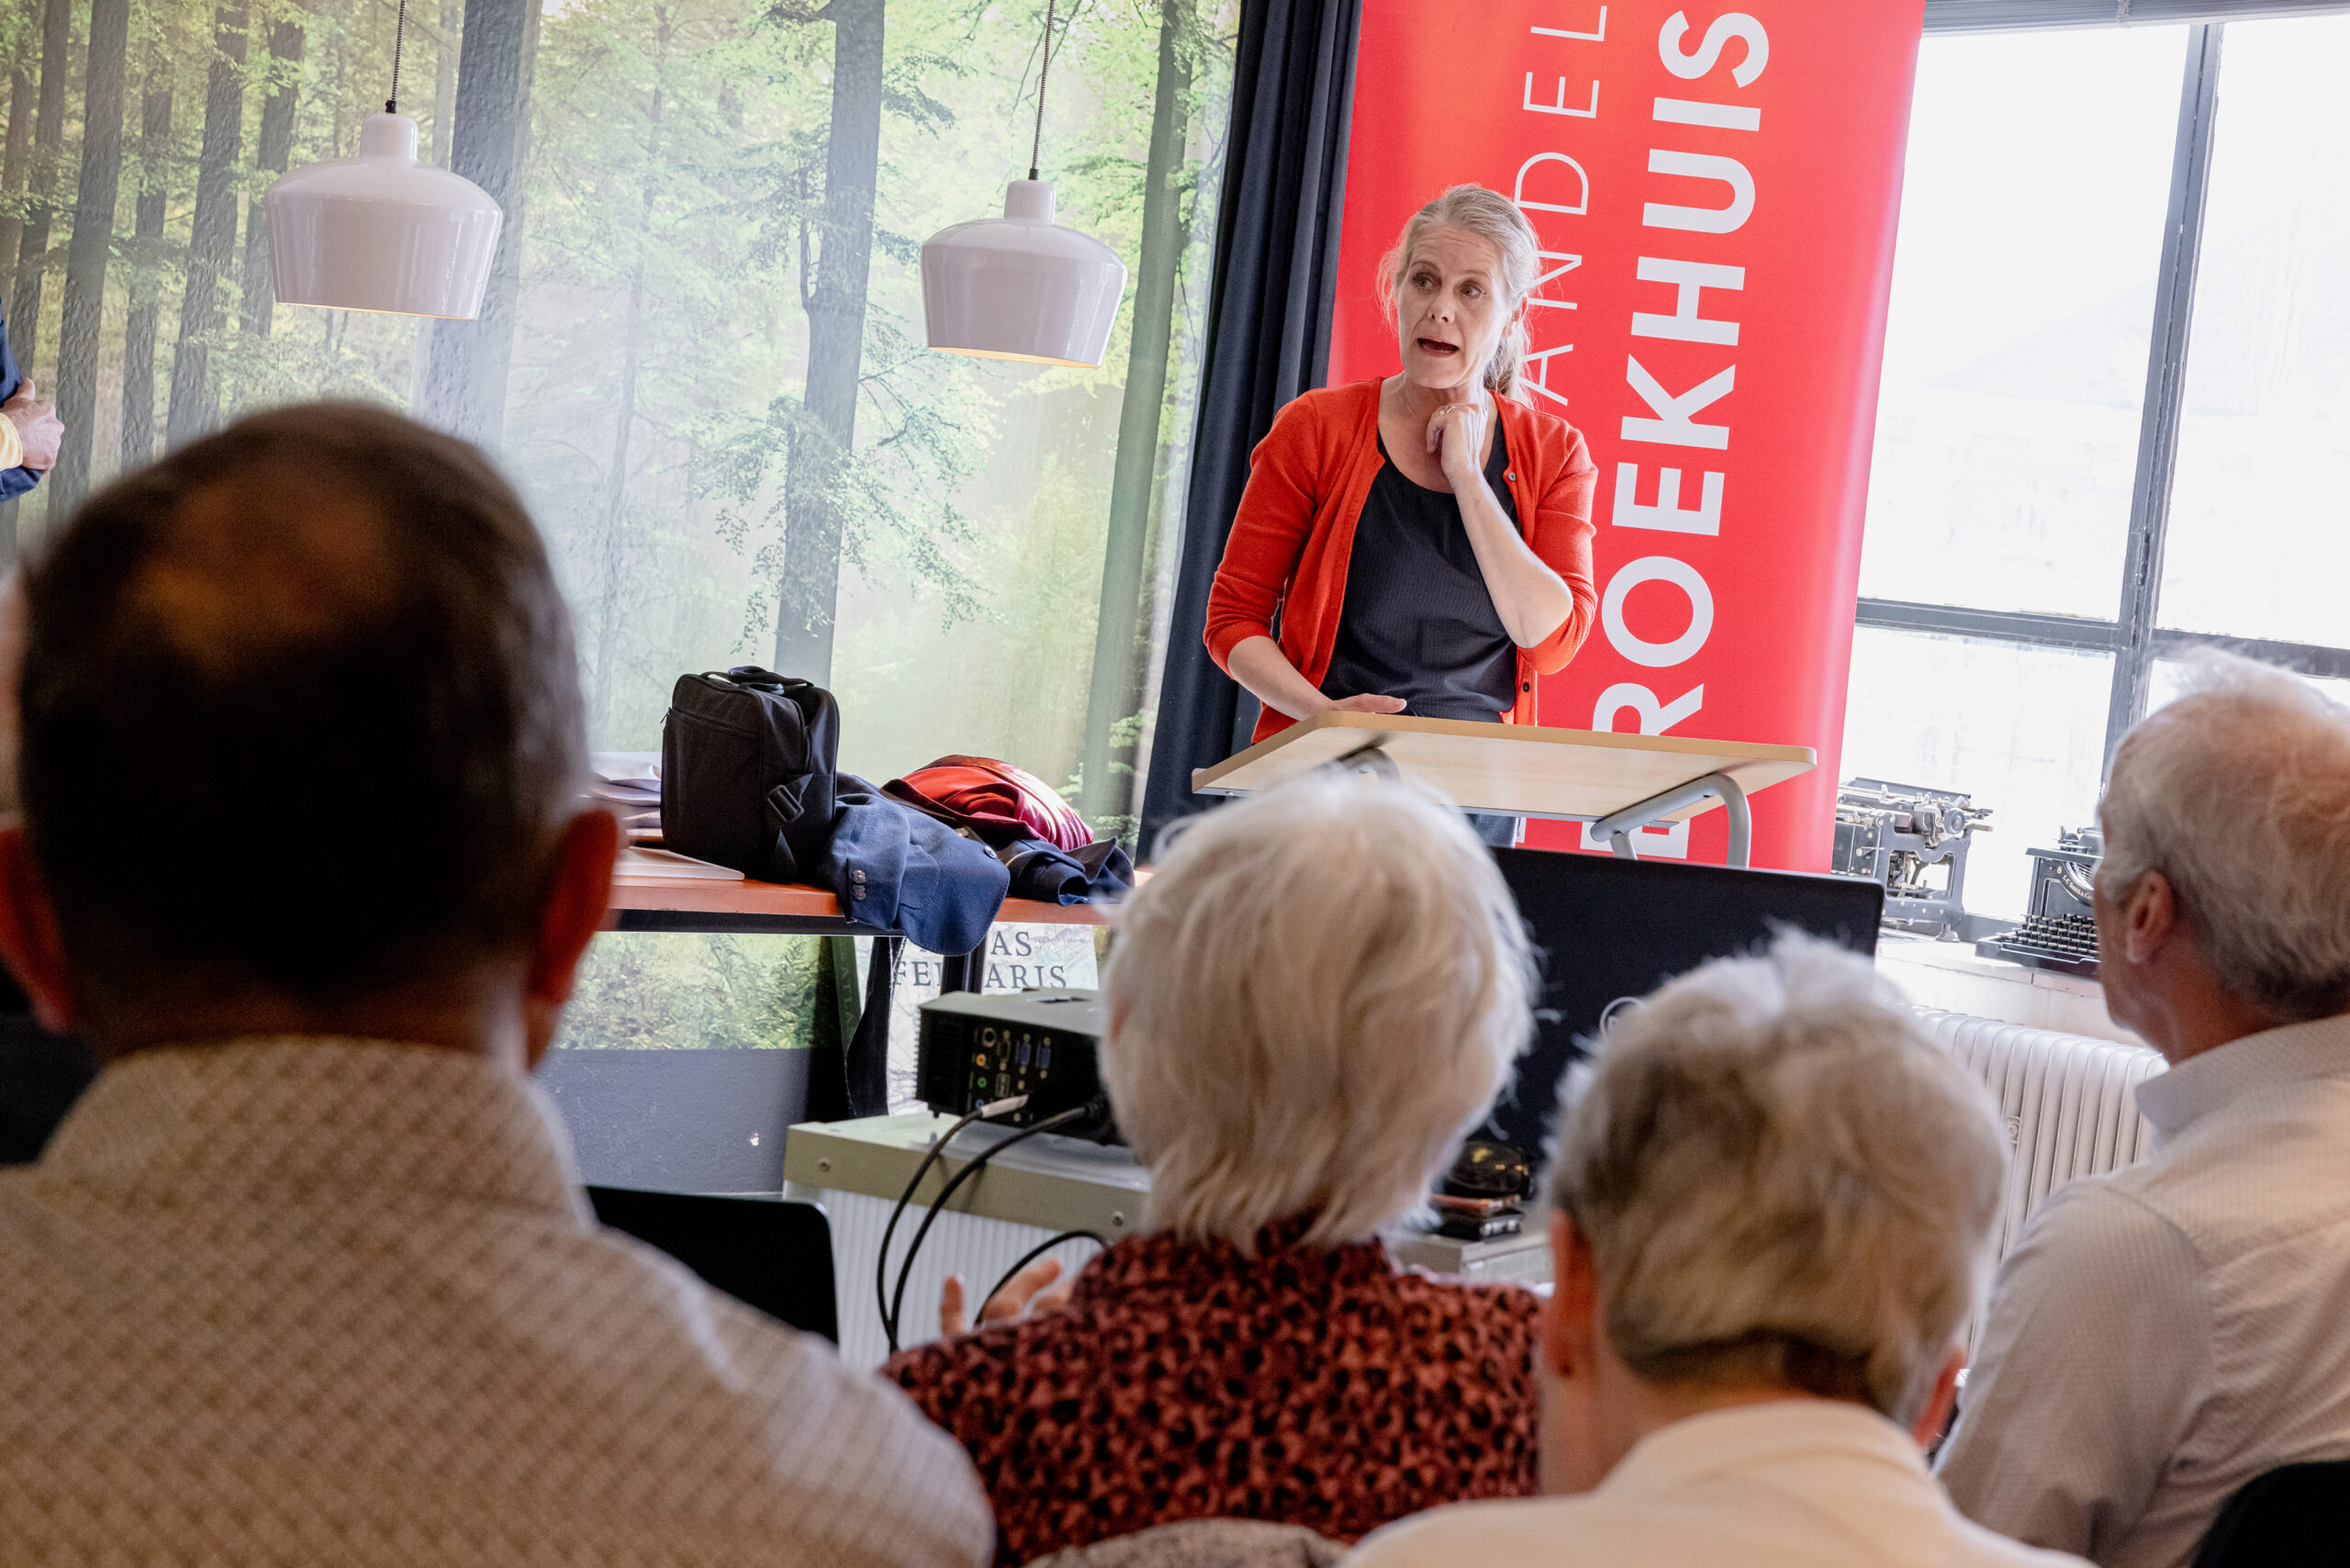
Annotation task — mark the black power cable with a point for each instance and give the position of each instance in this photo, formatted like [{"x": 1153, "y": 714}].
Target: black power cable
[
  {"x": 1095, "y": 1109},
  {"x": 889, "y": 1232},
  {"x": 1044, "y": 69},
  {"x": 1029, "y": 1256}
]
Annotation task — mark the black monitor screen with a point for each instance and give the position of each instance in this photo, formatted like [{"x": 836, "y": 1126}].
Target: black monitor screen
[{"x": 1608, "y": 929}]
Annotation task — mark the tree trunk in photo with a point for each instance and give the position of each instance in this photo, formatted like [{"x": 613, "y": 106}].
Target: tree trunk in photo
[
  {"x": 287, "y": 39},
  {"x": 13, "y": 161},
  {"x": 91, "y": 247},
  {"x": 41, "y": 200},
  {"x": 1118, "y": 665},
  {"x": 624, "y": 415},
  {"x": 445, "y": 77},
  {"x": 462, "y": 383},
  {"x": 835, "y": 306},
  {"x": 212, "y": 238},
  {"x": 42, "y": 190},
  {"x": 146, "y": 255}
]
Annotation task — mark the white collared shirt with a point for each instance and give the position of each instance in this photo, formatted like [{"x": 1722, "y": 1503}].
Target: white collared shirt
[
  {"x": 2165, "y": 1333},
  {"x": 1792, "y": 1484},
  {"x": 332, "y": 1303}
]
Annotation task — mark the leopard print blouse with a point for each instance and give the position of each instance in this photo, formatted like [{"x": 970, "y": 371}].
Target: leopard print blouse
[{"x": 1184, "y": 1381}]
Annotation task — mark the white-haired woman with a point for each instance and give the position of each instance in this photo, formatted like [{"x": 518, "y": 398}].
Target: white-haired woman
[
  {"x": 1426, "y": 539},
  {"x": 1312, "y": 1002}
]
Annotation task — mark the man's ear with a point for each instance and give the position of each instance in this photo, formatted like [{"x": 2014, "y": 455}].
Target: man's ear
[
  {"x": 2148, "y": 917},
  {"x": 1576, "y": 1453},
  {"x": 1571, "y": 1317},
  {"x": 28, "y": 937},
  {"x": 1928, "y": 1429},
  {"x": 578, "y": 901}
]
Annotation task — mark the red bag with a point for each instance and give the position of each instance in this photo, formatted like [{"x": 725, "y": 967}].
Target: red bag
[{"x": 997, "y": 795}]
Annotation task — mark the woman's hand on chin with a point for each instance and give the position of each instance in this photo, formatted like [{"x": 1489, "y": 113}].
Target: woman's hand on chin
[
  {"x": 1457, "y": 438},
  {"x": 1368, "y": 702}
]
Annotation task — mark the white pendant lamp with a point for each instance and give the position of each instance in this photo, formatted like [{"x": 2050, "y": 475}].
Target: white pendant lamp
[
  {"x": 382, "y": 231},
  {"x": 1022, "y": 287}
]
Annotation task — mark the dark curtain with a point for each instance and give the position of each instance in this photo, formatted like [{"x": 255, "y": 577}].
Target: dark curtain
[
  {"x": 848, "y": 1058},
  {"x": 1268, "y": 339}
]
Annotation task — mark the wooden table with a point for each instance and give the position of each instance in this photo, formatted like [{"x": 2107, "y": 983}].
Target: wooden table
[
  {"x": 678, "y": 904},
  {"x": 1616, "y": 782}
]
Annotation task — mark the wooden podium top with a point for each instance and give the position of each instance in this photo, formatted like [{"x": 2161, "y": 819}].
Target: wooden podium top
[{"x": 1523, "y": 769}]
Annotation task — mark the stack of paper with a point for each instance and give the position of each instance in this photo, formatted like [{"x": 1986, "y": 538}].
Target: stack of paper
[
  {"x": 630, "y": 783},
  {"x": 669, "y": 865}
]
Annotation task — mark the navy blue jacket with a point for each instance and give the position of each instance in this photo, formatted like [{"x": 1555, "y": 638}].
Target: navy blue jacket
[
  {"x": 13, "y": 482},
  {"x": 894, "y": 868},
  {"x": 1040, "y": 870},
  {"x": 1050, "y": 874}
]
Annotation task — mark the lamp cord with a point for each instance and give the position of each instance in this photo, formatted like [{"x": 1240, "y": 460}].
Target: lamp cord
[
  {"x": 1043, "y": 68},
  {"x": 400, "y": 35}
]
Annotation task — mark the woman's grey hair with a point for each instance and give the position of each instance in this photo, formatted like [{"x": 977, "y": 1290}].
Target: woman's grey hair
[
  {"x": 1494, "y": 218},
  {"x": 1783, "y": 1182},
  {"x": 2239, "y": 792},
  {"x": 1311, "y": 1002}
]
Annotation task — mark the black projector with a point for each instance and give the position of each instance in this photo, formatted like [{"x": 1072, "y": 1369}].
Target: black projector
[{"x": 975, "y": 1048}]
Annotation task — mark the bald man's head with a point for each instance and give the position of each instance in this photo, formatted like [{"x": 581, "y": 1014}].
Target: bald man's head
[
  {"x": 299, "y": 712},
  {"x": 267, "y": 559}
]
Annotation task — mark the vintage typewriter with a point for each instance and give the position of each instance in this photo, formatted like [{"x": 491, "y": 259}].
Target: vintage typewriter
[
  {"x": 2060, "y": 932},
  {"x": 1912, "y": 840}
]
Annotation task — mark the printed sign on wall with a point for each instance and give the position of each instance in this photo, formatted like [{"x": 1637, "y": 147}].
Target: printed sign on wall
[{"x": 1715, "y": 192}]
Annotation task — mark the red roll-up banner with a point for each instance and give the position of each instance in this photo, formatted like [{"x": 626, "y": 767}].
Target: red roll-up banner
[{"x": 1715, "y": 192}]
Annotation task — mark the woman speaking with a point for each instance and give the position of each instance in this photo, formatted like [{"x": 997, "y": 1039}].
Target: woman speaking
[{"x": 1425, "y": 540}]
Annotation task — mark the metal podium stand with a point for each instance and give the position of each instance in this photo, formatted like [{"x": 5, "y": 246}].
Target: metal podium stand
[{"x": 1617, "y": 783}]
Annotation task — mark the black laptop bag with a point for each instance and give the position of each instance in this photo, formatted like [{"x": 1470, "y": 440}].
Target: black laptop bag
[{"x": 749, "y": 760}]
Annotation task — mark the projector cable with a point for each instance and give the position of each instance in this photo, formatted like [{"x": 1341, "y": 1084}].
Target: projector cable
[
  {"x": 881, "y": 1261},
  {"x": 1029, "y": 1256},
  {"x": 1094, "y": 1109}
]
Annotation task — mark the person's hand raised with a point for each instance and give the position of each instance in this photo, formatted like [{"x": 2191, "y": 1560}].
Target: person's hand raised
[
  {"x": 1027, "y": 1295},
  {"x": 1370, "y": 702},
  {"x": 36, "y": 424},
  {"x": 1457, "y": 438}
]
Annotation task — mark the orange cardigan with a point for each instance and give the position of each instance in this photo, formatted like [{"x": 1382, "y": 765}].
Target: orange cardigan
[{"x": 1290, "y": 539}]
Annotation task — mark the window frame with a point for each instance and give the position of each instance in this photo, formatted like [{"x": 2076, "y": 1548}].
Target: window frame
[
  {"x": 2026, "y": 16},
  {"x": 2134, "y": 636}
]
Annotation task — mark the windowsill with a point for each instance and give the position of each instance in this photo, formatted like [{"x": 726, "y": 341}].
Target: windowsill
[{"x": 1954, "y": 977}]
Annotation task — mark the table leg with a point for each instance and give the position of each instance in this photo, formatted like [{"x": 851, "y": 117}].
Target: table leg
[
  {"x": 965, "y": 971},
  {"x": 1616, "y": 827}
]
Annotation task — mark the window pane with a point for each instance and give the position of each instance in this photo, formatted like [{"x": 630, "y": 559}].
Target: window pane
[
  {"x": 2022, "y": 729},
  {"x": 702, "y": 360},
  {"x": 2164, "y": 686},
  {"x": 2023, "y": 289},
  {"x": 661, "y": 990},
  {"x": 2260, "y": 512}
]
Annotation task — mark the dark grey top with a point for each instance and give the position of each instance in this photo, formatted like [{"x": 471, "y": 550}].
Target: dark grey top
[{"x": 1418, "y": 622}]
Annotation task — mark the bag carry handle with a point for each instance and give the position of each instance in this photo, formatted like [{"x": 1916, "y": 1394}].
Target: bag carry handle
[{"x": 756, "y": 679}]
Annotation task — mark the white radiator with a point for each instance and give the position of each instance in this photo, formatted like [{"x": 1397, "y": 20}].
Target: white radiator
[
  {"x": 2068, "y": 1100},
  {"x": 2070, "y": 1103},
  {"x": 973, "y": 1246}
]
